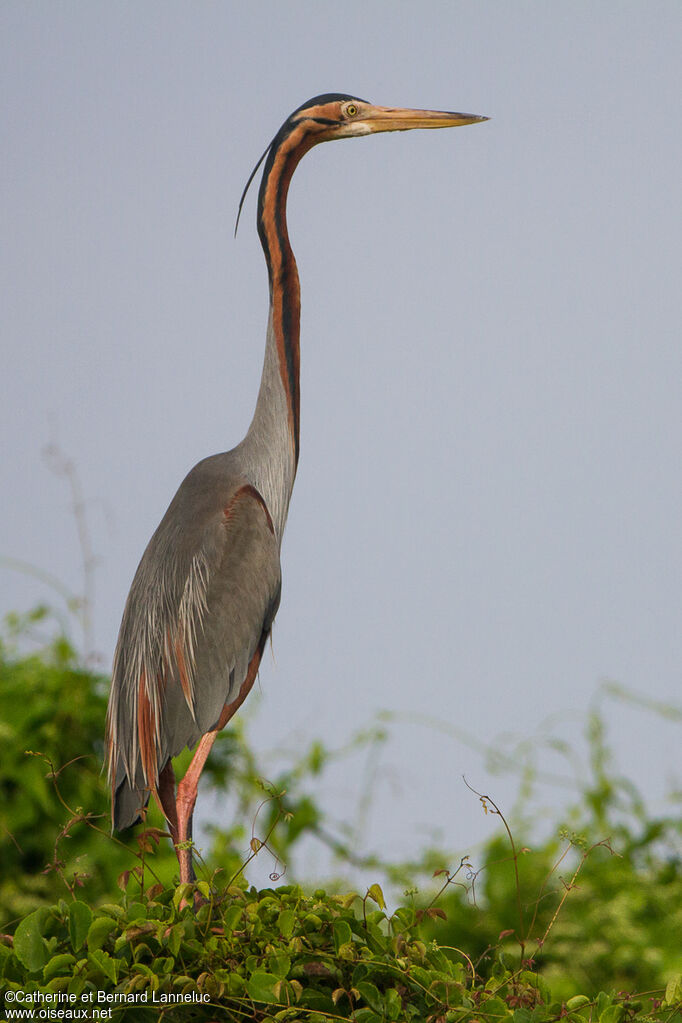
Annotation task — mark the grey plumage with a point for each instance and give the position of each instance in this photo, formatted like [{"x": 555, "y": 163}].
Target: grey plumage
[{"x": 203, "y": 598}]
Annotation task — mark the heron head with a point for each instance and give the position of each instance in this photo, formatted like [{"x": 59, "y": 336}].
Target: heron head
[
  {"x": 340, "y": 116},
  {"x": 337, "y": 115}
]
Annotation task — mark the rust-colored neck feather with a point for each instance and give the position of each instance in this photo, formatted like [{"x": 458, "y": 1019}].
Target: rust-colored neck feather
[{"x": 291, "y": 143}]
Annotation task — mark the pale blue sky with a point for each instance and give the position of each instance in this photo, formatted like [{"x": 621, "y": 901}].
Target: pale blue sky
[{"x": 486, "y": 521}]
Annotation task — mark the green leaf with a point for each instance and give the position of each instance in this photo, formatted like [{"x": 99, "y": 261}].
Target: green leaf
[
  {"x": 318, "y": 1001},
  {"x": 366, "y": 1016},
  {"x": 279, "y": 964},
  {"x": 163, "y": 964},
  {"x": 29, "y": 944},
  {"x": 137, "y": 911},
  {"x": 393, "y": 1004},
  {"x": 495, "y": 1008},
  {"x": 175, "y": 937},
  {"x": 204, "y": 888},
  {"x": 403, "y": 918},
  {"x": 183, "y": 893},
  {"x": 236, "y": 985},
  {"x": 261, "y": 986},
  {"x": 58, "y": 964},
  {"x": 421, "y": 976},
  {"x": 603, "y": 1002},
  {"x": 232, "y": 918},
  {"x": 76, "y": 986},
  {"x": 145, "y": 971},
  {"x": 80, "y": 918},
  {"x": 673, "y": 990},
  {"x": 374, "y": 892},
  {"x": 613, "y": 1014},
  {"x": 113, "y": 910},
  {"x": 285, "y": 922},
  {"x": 99, "y": 930},
  {"x": 374, "y": 936},
  {"x": 577, "y": 1002},
  {"x": 342, "y": 934},
  {"x": 371, "y": 995},
  {"x": 103, "y": 962}
]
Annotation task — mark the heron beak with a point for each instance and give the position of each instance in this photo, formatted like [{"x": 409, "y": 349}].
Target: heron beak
[{"x": 399, "y": 119}]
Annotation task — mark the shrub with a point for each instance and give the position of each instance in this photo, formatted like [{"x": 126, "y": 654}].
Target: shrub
[{"x": 277, "y": 955}]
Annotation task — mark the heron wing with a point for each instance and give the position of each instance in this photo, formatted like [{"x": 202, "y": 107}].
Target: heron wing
[{"x": 202, "y": 602}]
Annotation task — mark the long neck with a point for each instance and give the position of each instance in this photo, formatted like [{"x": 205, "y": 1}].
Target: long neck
[
  {"x": 285, "y": 291},
  {"x": 273, "y": 437}
]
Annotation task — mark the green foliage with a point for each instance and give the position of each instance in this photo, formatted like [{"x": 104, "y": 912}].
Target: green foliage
[
  {"x": 537, "y": 928},
  {"x": 279, "y": 955},
  {"x": 51, "y": 714},
  {"x": 613, "y": 922},
  {"x": 600, "y": 902}
]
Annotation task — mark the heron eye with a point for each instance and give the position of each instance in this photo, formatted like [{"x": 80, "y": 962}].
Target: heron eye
[{"x": 351, "y": 110}]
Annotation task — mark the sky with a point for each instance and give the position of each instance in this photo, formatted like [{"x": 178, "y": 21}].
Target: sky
[{"x": 485, "y": 522}]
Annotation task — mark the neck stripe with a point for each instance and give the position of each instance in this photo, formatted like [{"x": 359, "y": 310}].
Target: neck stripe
[{"x": 285, "y": 301}]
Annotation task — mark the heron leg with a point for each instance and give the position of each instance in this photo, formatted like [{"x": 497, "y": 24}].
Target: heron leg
[
  {"x": 184, "y": 804},
  {"x": 189, "y": 786}
]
